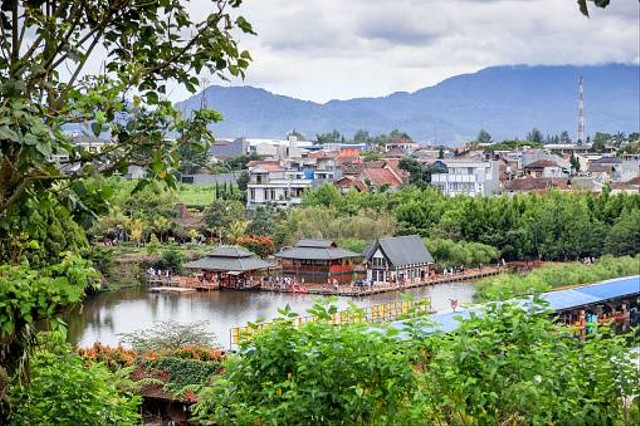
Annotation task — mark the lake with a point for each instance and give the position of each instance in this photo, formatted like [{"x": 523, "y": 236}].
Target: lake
[{"x": 103, "y": 316}]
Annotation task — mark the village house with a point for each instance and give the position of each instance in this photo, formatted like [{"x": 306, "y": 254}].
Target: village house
[
  {"x": 318, "y": 261},
  {"x": 546, "y": 169},
  {"x": 397, "y": 259},
  {"x": 373, "y": 175},
  {"x": 471, "y": 177}
]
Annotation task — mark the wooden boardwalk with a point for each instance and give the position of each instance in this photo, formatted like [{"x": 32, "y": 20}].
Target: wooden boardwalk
[{"x": 358, "y": 291}]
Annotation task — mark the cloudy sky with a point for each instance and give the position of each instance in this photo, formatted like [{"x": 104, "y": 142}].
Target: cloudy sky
[{"x": 338, "y": 49}]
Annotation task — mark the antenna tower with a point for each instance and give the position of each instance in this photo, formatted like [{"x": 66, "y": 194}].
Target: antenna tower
[
  {"x": 204, "y": 81},
  {"x": 581, "y": 134}
]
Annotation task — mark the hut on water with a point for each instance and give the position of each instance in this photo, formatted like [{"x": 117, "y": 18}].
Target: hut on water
[
  {"x": 230, "y": 266},
  {"x": 318, "y": 261},
  {"x": 398, "y": 259}
]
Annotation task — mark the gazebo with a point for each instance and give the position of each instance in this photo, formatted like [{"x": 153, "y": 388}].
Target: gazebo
[
  {"x": 230, "y": 266},
  {"x": 318, "y": 261}
]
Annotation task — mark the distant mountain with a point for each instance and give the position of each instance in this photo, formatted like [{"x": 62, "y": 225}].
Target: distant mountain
[{"x": 507, "y": 101}]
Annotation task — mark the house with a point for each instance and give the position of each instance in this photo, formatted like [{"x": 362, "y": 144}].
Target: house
[
  {"x": 271, "y": 183},
  {"x": 226, "y": 148},
  {"x": 531, "y": 183},
  {"x": 318, "y": 261},
  {"x": 545, "y": 169},
  {"x": 229, "y": 266},
  {"x": 605, "y": 169},
  {"x": 372, "y": 175},
  {"x": 405, "y": 145},
  {"x": 469, "y": 177},
  {"x": 396, "y": 259}
]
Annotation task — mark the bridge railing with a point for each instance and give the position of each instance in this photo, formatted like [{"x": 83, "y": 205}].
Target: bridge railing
[{"x": 382, "y": 312}]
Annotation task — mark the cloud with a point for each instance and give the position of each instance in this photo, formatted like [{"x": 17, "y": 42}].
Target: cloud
[{"x": 325, "y": 49}]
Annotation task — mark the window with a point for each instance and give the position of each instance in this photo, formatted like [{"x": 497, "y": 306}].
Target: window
[
  {"x": 273, "y": 194},
  {"x": 266, "y": 194},
  {"x": 252, "y": 194}
]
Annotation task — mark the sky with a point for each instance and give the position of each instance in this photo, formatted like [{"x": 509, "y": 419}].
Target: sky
[{"x": 320, "y": 50}]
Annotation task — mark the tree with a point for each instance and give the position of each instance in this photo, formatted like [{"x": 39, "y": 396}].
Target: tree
[
  {"x": 329, "y": 137},
  {"x": 63, "y": 390},
  {"x": 222, "y": 213},
  {"x": 416, "y": 173},
  {"x": 299, "y": 136},
  {"x": 535, "y": 136},
  {"x": 264, "y": 222},
  {"x": 171, "y": 335},
  {"x": 243, "y": 180},
  {"x": 584, "y": 9},
  {"x": 483, "y": 137},
  {"x": 361, "y": 137},
  {"x": 600, "y": 139},
  {"x": 44, "y": 52},
  {"x": 624, "y": 235},
  {"x": 564, "y": 137},
  {"x": 575, "y": 163}
]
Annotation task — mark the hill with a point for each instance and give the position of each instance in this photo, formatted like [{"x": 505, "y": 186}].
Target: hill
[{"x": 508, "y": 101}]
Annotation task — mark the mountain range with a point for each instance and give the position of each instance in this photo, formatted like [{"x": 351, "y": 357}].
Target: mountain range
[{"x": 507, "y": 101}]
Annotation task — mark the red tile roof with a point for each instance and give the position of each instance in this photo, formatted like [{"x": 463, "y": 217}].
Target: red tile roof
[
  {"x": 541, "y": 164},
  {"x": 380, "y": 176}
]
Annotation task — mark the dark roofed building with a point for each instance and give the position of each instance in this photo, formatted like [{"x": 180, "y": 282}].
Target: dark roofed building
[
  {"x": 318, "y": 261},
  {"x": 398, "y": 259},
  {"x": 230, "y": 266}
]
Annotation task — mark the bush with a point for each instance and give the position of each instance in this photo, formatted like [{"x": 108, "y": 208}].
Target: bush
[
  {"x": 63, "y": 391},
  {"x": 543, "y": 279}
]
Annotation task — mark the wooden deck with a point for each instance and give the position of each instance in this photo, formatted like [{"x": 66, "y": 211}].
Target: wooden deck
[
  {"x": 358, "y": 291},
  {"x": 167, "y": 289}
]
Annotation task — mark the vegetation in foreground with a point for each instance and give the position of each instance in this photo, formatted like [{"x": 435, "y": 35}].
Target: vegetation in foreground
[
  {"x": 509, "y": 366},
  {"x": 508, "y": 286}
]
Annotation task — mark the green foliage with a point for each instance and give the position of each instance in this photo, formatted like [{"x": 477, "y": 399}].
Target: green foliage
[
  {"x": 316, "y": 222},
  {"x": 38, "y": 231},
  {"x": 314, "y": 374},
  {"x": 483, "y": 137},
  {"x": 508, "y": 366},
  {"x": 28, "y": 296},
  {"x": 182, "y": 372},
  {"x": 624, "y": 236},
  {"x": 171, "y": 258},
  {"x": 535, "y": 136},
  {"x": 63, "y": 390},
  {"x": 551, "y": 226},
  {"x": 354, "y": 244},
  {"x": 513, "y": 366},
  {"x": 45, "y": 86},
  {"x": 264, "y": 222},
  {"x": 507, "y": 286},
  {"x": 170, "y": 335},
  {"x": 222, "y": 213},
  {"x": 450, "y": 253},
  {"x": 370, "y": 155},
  {"x": 511, "y": 145}
]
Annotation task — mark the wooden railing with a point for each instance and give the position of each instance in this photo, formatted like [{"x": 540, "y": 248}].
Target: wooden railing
[{"x": 373, "y": 314}]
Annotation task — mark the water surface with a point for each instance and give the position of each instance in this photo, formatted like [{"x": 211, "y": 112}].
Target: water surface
[{"x": 103, "y": 316}]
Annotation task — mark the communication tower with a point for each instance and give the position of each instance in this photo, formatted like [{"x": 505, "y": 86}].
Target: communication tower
[{"x": 581, "y": 134}]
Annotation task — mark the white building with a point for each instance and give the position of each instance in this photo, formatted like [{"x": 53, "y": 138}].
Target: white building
[
  {"x": 270, "y": 183},
  {"x": 469, "y": 177}
]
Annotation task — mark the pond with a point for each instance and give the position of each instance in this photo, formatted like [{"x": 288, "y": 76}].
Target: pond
[{"x": 104, "y": 316}]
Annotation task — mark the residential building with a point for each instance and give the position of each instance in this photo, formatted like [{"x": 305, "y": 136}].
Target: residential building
[
  {"x": 397, "y": 259},
  {"x": 546, "y": 169},
  {"x": 318, "y": 261},
  {"x": 271, "y": 183},
  {"x": 469, "y": 177}
]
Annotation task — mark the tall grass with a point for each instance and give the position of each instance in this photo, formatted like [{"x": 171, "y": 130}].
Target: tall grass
[{"x": 508, "y": 286}]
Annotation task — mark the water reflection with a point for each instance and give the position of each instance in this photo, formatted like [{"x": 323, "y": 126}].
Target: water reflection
[{"x": 104, "y": 316}]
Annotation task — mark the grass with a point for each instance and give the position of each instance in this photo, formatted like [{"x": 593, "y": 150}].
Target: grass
[{"x": 196, "y": 195}]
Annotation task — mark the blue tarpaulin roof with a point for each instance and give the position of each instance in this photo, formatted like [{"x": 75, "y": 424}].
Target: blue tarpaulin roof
[{"x": 558, "y": 301}]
